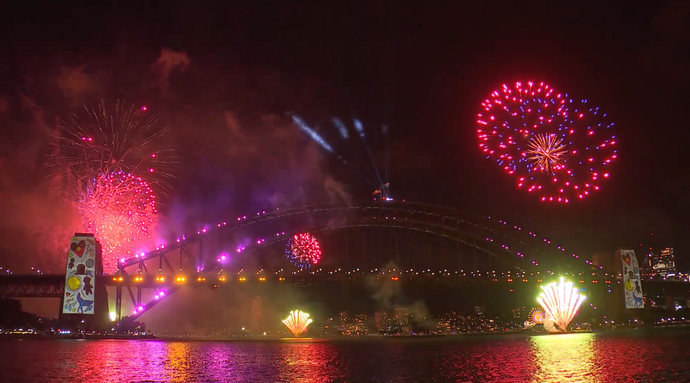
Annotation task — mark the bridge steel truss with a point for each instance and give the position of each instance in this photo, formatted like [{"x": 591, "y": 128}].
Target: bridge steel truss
[
  {"x": 32, "y": 286},
  {"x": 486, "y": 236}
]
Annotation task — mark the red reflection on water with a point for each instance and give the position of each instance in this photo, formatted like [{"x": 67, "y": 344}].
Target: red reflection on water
[
  {"x": 486, "y": 361},
  {"x": 304, "y": 360},
  {"x": 630, "y": 357},
  {"x": 115, "y": 360}
]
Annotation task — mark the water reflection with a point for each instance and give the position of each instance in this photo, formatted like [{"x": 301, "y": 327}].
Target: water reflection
[
  {"x": 564, "y": 358},
  {"x": 177, "y": 362},
  {"x": 481, "y": 361},
  {"x": 640, "y": 356},
  {"x": 307, "y": 361},
  {"x": 630, "y": 357}
]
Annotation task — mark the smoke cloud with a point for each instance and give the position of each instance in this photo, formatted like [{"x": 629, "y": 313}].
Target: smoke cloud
[
  {"x": 389, "y": 296},
  {"x": 76, "y": 84},
  {"x": 168, "y": 63},
  {"x": 35, "y": 224}
]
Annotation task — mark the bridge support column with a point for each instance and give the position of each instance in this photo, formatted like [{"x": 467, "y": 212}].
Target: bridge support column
[{"x": 118, "y": 302}]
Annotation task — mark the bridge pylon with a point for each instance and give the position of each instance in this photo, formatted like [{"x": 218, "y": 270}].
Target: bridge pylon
[{"x": 85, "y": 298}]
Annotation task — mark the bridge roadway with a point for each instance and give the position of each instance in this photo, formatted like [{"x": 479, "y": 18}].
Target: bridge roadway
[{"x": 52, "y": 285}]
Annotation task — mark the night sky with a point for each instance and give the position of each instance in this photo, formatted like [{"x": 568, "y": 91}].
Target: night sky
[{"x": 225, "y": 79}]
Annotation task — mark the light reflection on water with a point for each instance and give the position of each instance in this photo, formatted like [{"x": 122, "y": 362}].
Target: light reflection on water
[
  {"x": 564, "y": 358},
  {"x": 620, "y": 357}
]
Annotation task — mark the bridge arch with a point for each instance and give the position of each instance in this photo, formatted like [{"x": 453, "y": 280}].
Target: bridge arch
[
  {"x": 492, "y": 241},
  {"x": 522, "y": 249}
]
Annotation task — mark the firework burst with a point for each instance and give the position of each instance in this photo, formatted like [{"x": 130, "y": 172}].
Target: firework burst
[
  {"x": 536, "y": 315},
  {"x": 120, "y": 210},
  {"x": 557, "y": 147},
  {"x": 303, "y": 250},
  {"x": 297, "y": 322},
  {"x": 560, "y": 301},
  {"x": 100, "y": 141},
  {"x": 109, "y": 161},
  {"x": 546, "y": 152}
]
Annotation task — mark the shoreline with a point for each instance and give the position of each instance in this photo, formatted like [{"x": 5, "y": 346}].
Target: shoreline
[{"x": 332, "y": 338}]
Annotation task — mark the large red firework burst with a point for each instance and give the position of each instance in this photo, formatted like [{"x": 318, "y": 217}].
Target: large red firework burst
[
  {"x": 303, "y": 250},
  {"x": 557, "y": 147},
  {"x": 120, "y": 210}
]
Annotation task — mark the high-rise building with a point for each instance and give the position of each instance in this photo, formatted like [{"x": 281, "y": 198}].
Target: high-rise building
[
  {"x": 402, "y": 316},
  {"x": 665, "y": 263},
  {"x": 646, "y": 269},
  {"x": 381, "y": 321},
  {"x": 258, "y": 315},
  {"x": 479, "y": 311}
]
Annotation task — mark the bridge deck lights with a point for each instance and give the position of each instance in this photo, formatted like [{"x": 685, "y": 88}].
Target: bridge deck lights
[
  {"x": 200, "y": 279},
  {"x": 262, "y": 279},
  {"x": 160, "y": 278},
  {"x": 180, "y": 279},
  {"x": 222, "y": 279},
  {"x": 242, "y": 279},
  {"x": 281, "y": 279},
  {"x": 138, "y": 279}
]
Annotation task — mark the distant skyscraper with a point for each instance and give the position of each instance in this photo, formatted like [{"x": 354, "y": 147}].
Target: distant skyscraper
[
  {"x": 646, "y": 268},
  {"x": 479, "y": 311},
  {"x": 402, "y": 316},
  {"x": 665, "y": 263},
  {"x": 258, "y": 315},
  {"x": 380, "y": 320}
]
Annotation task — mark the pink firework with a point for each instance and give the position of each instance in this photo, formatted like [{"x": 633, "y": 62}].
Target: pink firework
[
  {"x": 120, "y": 210},
  {"x": 303, "y": 250},
  {"x": 557, "y": 147}
]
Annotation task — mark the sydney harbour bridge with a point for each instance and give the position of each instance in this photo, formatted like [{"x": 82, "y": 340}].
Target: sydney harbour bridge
[{"x": 396, "y": 241}]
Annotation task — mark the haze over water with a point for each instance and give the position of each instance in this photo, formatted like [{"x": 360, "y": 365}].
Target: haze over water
[{"x": 625, "y": 356}]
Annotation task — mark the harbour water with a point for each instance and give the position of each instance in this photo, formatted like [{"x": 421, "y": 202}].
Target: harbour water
[{"x": 621, "y": 356}]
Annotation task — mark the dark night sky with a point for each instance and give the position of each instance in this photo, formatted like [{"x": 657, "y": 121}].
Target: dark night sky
[{"x": 224, "y": 77}]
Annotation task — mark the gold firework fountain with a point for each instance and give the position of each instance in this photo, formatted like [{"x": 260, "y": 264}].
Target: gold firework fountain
[
  {"x": 561, "y": 301},
  {"x": 297, "y": 322}
]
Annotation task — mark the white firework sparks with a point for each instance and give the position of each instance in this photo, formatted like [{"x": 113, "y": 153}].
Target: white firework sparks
[{"x": 561, "y": 301}]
